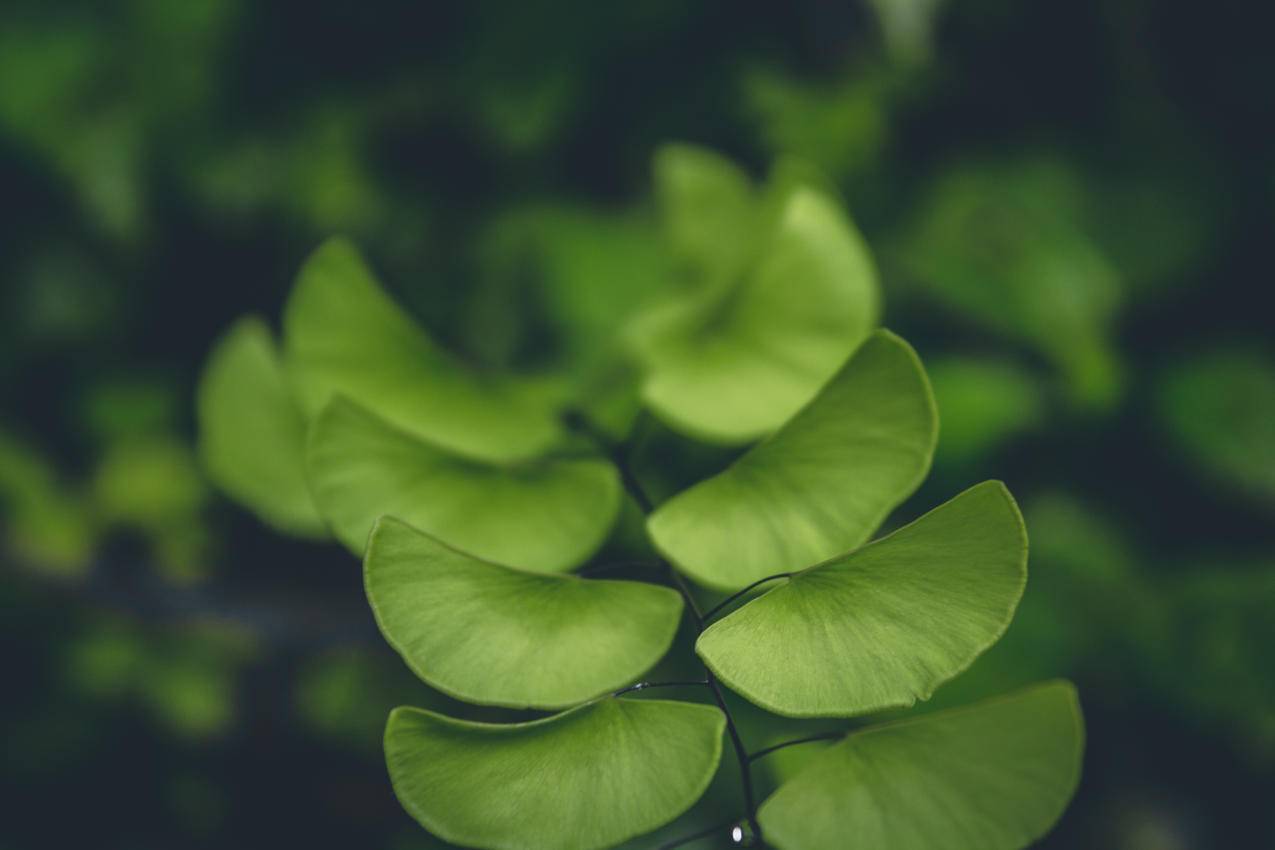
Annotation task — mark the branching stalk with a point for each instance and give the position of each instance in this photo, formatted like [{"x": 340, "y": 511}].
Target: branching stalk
[
  {"x": 729, "y": 599},
  {"x": 703, "y": 833},
  {"x": 822, "y": 736},
  {"x": 619, "y": 456},
  {"x": 642, "y": 686}
]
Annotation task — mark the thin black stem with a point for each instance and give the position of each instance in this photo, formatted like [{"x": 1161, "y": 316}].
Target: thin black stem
[
  {"x": 642, "y": 686},
  {"x": 703, "y": 833},
  {"x": 692, "y": 607},
  {"x": 635, "y": 490},
  {"x": 741, "y": 755},
  {"x": 619, "y": 456},
  {"x": 729, "y": 599},
  {"x": 822, "y": 736},
  {"x": 616, "y": 452}
]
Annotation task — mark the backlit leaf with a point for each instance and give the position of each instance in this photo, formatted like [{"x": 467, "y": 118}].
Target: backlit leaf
[
  {"x": 491, "y": 634},
  {"x": 732, "y": 363},
  {"x": 882, "y": 626},
  {"x": 547, "y": 515},
  {"x": 708, "y": 210},
  {"x": 343, "y": 334},
  {"x": 992, "y": 776},
  {"x": 818, "y": 487},
  {"x": 251, "y": 432},
  {"x": 588, "y": 778}
]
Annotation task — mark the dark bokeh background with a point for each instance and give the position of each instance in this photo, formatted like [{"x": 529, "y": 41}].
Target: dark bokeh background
[{"x": 1071, "y": 206}]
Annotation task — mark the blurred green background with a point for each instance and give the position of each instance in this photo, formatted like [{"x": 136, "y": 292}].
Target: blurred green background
[{"x": 1070, "y": 205}]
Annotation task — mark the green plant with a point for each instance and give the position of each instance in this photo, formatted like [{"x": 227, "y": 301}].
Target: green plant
[{"x": 472, "y": 496}]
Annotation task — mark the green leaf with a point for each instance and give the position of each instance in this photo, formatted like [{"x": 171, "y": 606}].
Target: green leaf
[
  {"x": 993, "y": 776},
  {"x": 818, "y": 487},
  {"x": 343, "y": 334},
  {"x": 734, "y": 362},
  {"x": 547, "y": 515},
  {"x": 884, "y": 625},
  {"x": 495, "y": 635},
  {"x": 708, "y": 209},
  {"x": 548, "y": 259},
  {"x": 251, "y": 433},
  {"x": 588, "y": 778}
]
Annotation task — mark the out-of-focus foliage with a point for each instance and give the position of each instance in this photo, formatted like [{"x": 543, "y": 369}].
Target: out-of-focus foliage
[
  {"x": 345, "y": 694},
  {"x": 98, "y": 96},
  {"x": 778, "y": 290},
  {"x": 47, "y": 524},
  {"x": 251, "y": 432},
  {"x": 840, "y": 126},
  {"x": 1006, "y": 247},
  {"x": 153, "y": 485},
  {"x": 167, "y": 166},
  {"x": 985, "y": 402},
  {"x": 1209, "y": 631},
  {"x": 580, "y": 271},
  {"x": 1219, "y": 407},
  {"x": 186, "y": 679},
  {"x": 147, "y": 485}
]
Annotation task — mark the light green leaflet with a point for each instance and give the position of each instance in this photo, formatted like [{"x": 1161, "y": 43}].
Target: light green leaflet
[
  {"x": 491, "y": 634},
  {"x": 344, "y": 335},
  {"x": 992, "y": 776},
  {"x": 735, "y": 359},
  {"x": 547, "y": 515},
  {"x": 251, "y": 434},
  {"x": 884, "y": 625},
  {"x": 818, "y": 487},
  {"x": 588, "y": 778},
  {"x": 709, "y": 211}
]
